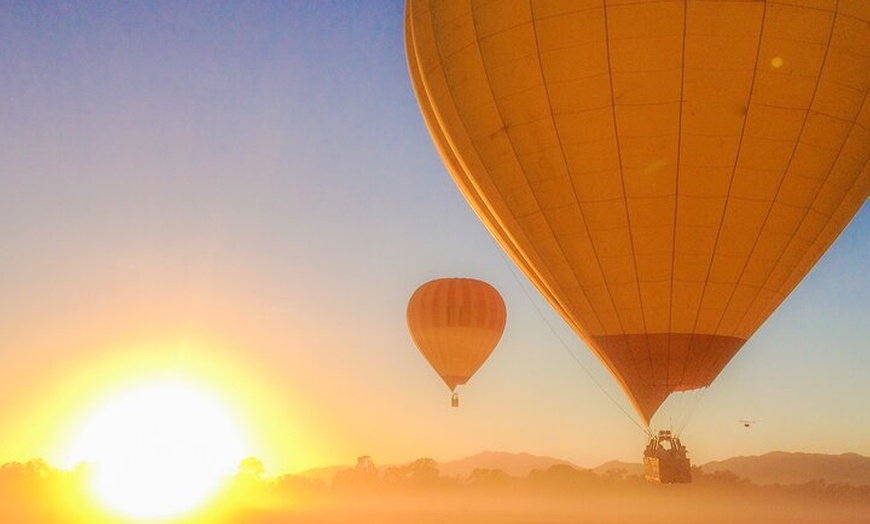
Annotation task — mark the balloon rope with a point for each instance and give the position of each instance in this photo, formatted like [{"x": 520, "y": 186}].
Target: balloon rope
[
  {"x": 693, "y": 408},
  {"x": 564, "y": 344}
]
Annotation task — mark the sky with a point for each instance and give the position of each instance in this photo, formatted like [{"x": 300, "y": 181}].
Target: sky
[{"x": 244, "y": 195}]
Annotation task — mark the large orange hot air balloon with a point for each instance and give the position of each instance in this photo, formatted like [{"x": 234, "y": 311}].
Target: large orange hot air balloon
[
  {"x": 456, "y": 323},
  {"x": 664, "y": 172}
]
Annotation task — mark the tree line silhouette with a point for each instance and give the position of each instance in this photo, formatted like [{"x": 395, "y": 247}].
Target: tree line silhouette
[
  {"x": 423, "y": 473},
  {"x": 34, "y": 491}
]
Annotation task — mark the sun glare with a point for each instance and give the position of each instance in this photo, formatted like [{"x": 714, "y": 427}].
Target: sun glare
[{"x": 159, "y": 449}]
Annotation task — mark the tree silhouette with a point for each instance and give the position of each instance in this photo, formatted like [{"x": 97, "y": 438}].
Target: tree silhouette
[
  {"x": 251, "y": 468},
  {"x": 363, "y": 474},
  {"x": 489, "y": 478},
  {"x": 422, "y": 472},
  {"x": 562, "y": 476}
]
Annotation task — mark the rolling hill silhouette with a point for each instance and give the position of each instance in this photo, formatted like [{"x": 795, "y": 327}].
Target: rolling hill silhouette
[
  {"x": 780, "y": 467},
  {"x": 514, "y": 464},
  {"x": 777, "y": 467}
]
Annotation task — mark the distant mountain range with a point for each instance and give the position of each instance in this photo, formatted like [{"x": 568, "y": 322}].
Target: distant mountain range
[
  {"x": 771, "y": 468},
  {"x": 514, "y": 464},
  {"x": 630, "y": 468},
  {"x": 780, "y": 467}
]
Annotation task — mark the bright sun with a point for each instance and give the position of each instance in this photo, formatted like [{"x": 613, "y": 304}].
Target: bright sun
[{"x": 159, "y": 449}]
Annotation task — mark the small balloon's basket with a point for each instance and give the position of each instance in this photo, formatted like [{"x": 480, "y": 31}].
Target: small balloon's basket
[{"x": 454, "y": 400}]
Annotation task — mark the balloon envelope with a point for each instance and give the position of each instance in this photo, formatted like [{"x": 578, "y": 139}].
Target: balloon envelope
[
  {"x": 456, "y": 323},
  {"x": 665, "y": 173}
]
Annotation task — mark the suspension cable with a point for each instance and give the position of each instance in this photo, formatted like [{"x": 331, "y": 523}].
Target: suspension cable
[
  {"x": 698, "y": 397},
  {"x": 564, "y": 344}
]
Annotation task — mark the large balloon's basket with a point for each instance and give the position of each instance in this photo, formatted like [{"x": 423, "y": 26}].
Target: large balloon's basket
[
  {"x": 665, "y": 460},
  {"x": 454, "y": 400}
]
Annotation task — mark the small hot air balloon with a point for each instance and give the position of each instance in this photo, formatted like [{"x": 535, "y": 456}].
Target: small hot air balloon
[{"x": 456, "y": 323}]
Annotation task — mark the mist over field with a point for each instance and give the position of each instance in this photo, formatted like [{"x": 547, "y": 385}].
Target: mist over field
[{"x": 417, "y": 493}]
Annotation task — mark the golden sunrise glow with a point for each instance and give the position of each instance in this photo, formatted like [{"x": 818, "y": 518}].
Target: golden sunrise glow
[{"x": 159, "y": 448}]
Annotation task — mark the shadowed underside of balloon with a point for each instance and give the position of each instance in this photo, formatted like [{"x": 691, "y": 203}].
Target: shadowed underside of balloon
[
  {"x": 654, "y": 365},
  {"x": 664, "y": 173}
]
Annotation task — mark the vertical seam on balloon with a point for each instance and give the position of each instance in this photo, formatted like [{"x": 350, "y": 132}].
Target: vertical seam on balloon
[
  {"x": 677, "y": 206},
  {"x": 815, "y": 254},
  {"x": 712, "y": 356},
  {"x": 564, "y": 163},
  {"x": 593, "y": 345},
  {"x": 610, "y": 364},
  {"x": 733, "y": 170},
  {"x": 627, "y": 218},
  {"x": 568, "y": 173},
  {"x": 863, "y": 176},
  {"x": 797, "y": 142},
  {"x": 507, "y": 239},
  {"x": 558, "y": 298},
  {"x": 785, "y": 172}
]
